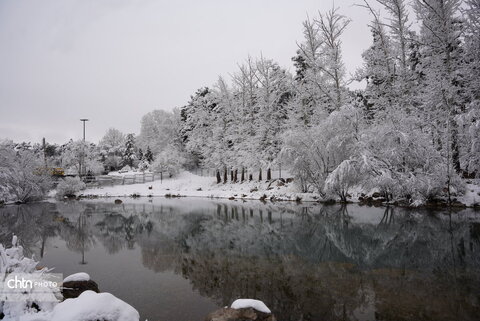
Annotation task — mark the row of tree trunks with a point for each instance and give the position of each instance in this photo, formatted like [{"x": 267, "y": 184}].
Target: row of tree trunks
[{"x": 234, "y": 175}]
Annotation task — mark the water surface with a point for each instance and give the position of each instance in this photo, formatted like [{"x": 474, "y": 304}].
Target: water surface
[{"x": 179, "y": 259}]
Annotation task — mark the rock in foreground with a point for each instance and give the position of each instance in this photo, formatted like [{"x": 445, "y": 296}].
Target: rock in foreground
[
  {"x": 91, "y": 306},
  {"x": 73, "y": 289},
  {"x": 244, "y": 314}
]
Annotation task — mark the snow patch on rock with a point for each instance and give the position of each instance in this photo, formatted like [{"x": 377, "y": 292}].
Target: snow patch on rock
[
  {"x": 82, "y": 276},
  {"x": 250, "y": 303},
  {"x": 94, "y": 306}
]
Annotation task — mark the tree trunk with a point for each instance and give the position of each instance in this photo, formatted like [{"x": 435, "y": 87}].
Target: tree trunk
[
  {"x": 242, "y": 177},
  {"x": 235, "y": 175},
  {"x": 269, "y": 174},
  {"x": 250, "y": 177},
  {"x": 225, "y": 176},
  {"x": 455, "y": 152},
  {"x": 219, "y": 178},
  {"x": 260, "y": 175},
  {"x": 231, "y": 176}
]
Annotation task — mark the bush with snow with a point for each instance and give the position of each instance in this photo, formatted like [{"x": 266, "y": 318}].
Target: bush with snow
[
  {"x": 401, "y": 163},
  {"x": 20, "y": 176},
  {"x": 69, "y": 186},
  {"x": 315, "y": 152},
  {"x": 170, "y": 161},
  {"x": 342, "y": 179},
  {"x": 80, "y": 155},
  {"x": 13, "y": 262}
]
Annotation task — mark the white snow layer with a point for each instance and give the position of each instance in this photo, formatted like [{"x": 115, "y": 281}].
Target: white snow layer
[
  {"x": 250, "y": 303},
  {"x": 188, "y": 184},
  {"x": 81, "y": 276},
  {"x": 94, "y": 306}
]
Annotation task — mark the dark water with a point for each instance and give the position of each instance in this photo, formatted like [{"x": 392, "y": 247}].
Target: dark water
[{"x": 179, "y": 259}]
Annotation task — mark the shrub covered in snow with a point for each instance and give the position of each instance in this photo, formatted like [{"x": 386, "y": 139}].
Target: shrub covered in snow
[
  {"x": 20, "y": 177},
  {"x": 315, "y": 152},
  {"x": 342, "y": 179},
  {"x": 170, "y": 161},
  {"x": 12, "y": 261},
  {"x": 394, "y": 158},
  {"x": 69, "y": 186}
]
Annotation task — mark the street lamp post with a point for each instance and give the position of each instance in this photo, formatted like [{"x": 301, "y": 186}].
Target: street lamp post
[
  {"x": 83, "y": 120},
  {"x": 82, "y": 157}
]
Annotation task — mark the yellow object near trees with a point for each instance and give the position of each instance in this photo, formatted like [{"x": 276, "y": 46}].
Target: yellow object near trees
[{"x": 53, "y": 171}]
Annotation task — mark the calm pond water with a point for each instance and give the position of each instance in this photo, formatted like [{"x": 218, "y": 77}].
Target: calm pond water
[{"x": 179, "y": 259}]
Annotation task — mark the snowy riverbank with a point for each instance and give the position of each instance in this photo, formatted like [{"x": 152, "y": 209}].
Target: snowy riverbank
[
  {"x": 191, "y": 185},
  {"x": 188, "y": 184}
]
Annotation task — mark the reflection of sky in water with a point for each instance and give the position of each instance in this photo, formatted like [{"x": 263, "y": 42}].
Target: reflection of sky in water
[{"x": 179, "y": 259}]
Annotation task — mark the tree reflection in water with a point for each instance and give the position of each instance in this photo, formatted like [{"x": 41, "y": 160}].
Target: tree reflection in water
[{"x": 307, "y": 262}]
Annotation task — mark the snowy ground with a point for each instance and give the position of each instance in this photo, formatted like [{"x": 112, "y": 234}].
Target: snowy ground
[
  {"x": 127, "y": 173},
  {"x": 188, "y": 184}
]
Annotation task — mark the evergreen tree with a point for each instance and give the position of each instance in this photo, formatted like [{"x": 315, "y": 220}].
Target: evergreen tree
[
  {"x": 129, "y": 155},
  {"x": 441, "y": 32},
  {"x": 148, "y": 155}
]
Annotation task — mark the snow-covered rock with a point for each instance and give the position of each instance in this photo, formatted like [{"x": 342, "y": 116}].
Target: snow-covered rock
[
  {"x": 250, "y": 303},
  {"x": 91, "y": 306},
  {"x": 81, "y": 276}
]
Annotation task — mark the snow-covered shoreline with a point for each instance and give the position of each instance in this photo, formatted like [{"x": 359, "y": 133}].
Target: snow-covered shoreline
[
  {"x": 187, "y": 184},
  {"x": 190, "y": 185}
]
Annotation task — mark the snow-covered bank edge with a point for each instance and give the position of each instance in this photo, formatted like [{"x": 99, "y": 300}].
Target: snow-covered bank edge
[{"x": 190, "y": 185}]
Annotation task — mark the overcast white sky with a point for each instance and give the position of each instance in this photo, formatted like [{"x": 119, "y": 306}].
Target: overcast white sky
[{"x": 115, "y": 60}]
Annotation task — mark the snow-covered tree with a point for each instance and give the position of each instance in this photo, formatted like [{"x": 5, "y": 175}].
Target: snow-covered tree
[
  {"x": 316, "y": 152},
  {"x": 469, "y": 120},
  {"x": 112, "y": 143},
  {"x": 111, "y": 148},
  {"x": 21, "y": 175},
  {"x": 129, "y": 152},
  {"x": 320, "y": 70},
  {"x": 442, "y": 91},
  {"x": 342, "y": 179},
  {"x": 378, "y": 70},
  {"x": 69, "y": 186},
  {"x": 158, "y": 129},
  {"x": 81, "y": 157},
  {"x": 148, "y": 155},
  {"x": 170, "y": 161}
]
